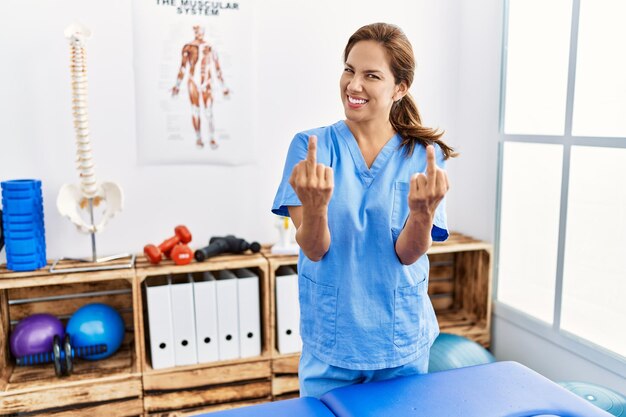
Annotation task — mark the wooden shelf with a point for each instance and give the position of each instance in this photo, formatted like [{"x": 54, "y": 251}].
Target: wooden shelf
[
  {"x": 285, "y": 376},
  {"x": 76, "y": 395},
  {"x": 94, "y": 386},
  {"x": 460, "y": 289},
  {"x": 42, "y": 277},
  {"x": 190, "y": 387},
  {"x": 145, "y": 269},
  {"x": 210, "y": 408},
  {"x": 212, "y": 385}
]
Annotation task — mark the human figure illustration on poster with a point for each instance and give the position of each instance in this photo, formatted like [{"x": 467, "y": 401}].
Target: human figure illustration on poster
[{"x": 201, "y": 83}]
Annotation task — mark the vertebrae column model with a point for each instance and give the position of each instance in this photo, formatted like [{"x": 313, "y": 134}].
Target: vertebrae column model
[
  {"x": 78, "y": 67},
  {"x": 72, "y": 199}
]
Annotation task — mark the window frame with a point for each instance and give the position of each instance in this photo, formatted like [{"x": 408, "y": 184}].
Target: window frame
[{"x": 577, "y": 345}]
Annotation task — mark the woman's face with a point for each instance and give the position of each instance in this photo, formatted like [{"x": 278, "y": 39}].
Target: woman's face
[{"x": 368, "y": 88}]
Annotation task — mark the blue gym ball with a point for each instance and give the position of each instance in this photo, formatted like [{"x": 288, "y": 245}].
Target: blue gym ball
[
  {"x": 452, "y": 351},
  {"x": 95, "y": 324},
  {"x": 598, "y": 395}
]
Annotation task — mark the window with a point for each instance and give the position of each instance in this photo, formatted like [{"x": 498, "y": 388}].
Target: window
[{"x": 561, "y": 261}]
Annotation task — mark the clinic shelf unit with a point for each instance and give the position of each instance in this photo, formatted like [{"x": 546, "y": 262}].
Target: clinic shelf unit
[
  {"x": 95, "y": 387},
  {"x": 211, "y": 385},
  {"x": 284, "y": 366},
  {"x": 285, "y": 377},
  {"x": 126, "y": 385},
  {"x": 460, "y": 287}
]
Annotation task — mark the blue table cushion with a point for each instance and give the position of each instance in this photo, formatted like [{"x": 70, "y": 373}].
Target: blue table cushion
[
  {"x": 501, "y": 389},
  {"x": 299, "y": 407}
]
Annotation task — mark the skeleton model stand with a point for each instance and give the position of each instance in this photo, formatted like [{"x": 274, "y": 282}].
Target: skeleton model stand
[{"x": 74, "y": 201}]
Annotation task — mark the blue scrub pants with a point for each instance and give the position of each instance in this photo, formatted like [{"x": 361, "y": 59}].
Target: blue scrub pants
[{"x": 317, "y": 378}]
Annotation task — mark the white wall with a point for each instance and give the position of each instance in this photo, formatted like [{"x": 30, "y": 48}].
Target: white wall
[
  {"x": 515, "y": 343},
  {"x": 298, "y": 51},
  {"x": 473, "y": 193}
]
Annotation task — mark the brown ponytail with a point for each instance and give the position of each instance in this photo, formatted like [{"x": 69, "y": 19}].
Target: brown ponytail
[{"x": 404, "y": 117}]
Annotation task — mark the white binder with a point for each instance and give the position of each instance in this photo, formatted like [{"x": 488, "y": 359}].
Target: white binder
[
  {"x": 287, "y": 311},
  {"x": 160, "y": 325},
  {"x": 183, "y": 318},
  {"x": 227, "y": 315},
  {"x": 249, "y": 313},
  {"x": 205, "y": 300}
]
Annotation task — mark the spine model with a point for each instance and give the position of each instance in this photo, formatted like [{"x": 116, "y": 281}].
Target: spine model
[
  {"x": 84, "y": 160},
  {"x": 74, "y": 200}
]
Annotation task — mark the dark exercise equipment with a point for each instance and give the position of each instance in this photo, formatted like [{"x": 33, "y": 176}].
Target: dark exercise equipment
[
  {"x": 62, "y": 355},
  {"x": 226, "y": 244}
]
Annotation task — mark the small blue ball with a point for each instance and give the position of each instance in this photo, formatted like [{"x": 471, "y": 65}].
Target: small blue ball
[{"x": 95, "y": 324}]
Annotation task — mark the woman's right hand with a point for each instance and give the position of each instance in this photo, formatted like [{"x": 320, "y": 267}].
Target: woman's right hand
[{"x": 312, "y": 182}]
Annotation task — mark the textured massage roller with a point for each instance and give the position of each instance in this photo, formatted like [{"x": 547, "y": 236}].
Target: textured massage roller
[
  {"x": 62, "y": 355},
  {"x": 73, "y": 201}
]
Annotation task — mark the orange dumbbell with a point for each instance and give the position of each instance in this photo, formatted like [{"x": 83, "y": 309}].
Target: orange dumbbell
[
  {"x": 182, "y": 237},
  {"x": 181, "y": 254}
]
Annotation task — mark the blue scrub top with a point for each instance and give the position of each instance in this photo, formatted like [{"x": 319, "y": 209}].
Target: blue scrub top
[{"x": 360, "y": 307}]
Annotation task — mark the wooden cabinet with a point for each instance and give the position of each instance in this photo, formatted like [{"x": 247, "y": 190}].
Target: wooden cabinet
[
  {"x": 284, "y": 366},
  {"x": 460, "y": 289},
  {"x": 212, "y": 385},
  {"x": 95, "y": 387}
]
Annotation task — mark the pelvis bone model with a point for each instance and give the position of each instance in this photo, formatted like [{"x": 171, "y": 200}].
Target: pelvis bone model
[{"x": 73, "y": 201}]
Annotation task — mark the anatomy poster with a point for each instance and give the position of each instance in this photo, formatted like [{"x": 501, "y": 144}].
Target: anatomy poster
[{"x": 193, "y": 79}]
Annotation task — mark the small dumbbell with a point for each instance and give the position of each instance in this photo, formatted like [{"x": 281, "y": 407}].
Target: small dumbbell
[
  {"x": 154, "y": 253},
  {"x": 62, "y": 355},
  {"x": 181, "y": 254}
]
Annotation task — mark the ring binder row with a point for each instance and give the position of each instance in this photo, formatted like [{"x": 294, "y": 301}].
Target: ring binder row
[
  {"x": 203, "y": 317},
  {"x": 287, "y": 311}
]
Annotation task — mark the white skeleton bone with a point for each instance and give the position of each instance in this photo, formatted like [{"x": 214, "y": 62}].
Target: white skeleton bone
[{"x": 72, "y": 199}]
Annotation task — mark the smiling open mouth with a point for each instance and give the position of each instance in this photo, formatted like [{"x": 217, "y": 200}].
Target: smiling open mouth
[{"x": 354, "y": 100}]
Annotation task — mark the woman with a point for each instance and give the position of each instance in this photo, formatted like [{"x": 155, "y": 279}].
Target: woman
[{"x": 365, "y": 195}]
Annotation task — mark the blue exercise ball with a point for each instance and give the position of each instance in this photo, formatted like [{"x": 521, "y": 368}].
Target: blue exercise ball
[
  {"x": 602, "y": 397},
  {"x": 95, "y": 324},
  {"x": 450, "y": 351}
]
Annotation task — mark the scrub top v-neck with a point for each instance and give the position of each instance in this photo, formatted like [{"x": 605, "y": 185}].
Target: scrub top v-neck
[
  {"x": 361, "y": 308},
  {"x": 361, "y": 168}
]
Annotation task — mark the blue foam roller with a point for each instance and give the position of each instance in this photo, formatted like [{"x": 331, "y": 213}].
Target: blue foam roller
[
  {"x": 298, "y": 407},
  {"x": 20, "y": 259},
  {"x": 23, "y": 234},
  {"x": 499, "y": 389},
  {"x": 602, "y": 397},
  {"x": 23, "y": 267},
  {"x": 21, "y": 184},
  {"x": 32, "y": 193},
  {"x": 23, "y": 246},
  {"x": 27, "y": 218},
  {"x": 17, "y": 201},
  {"x": 19, "y": 227},
  {"x": 451, "y": 351}
]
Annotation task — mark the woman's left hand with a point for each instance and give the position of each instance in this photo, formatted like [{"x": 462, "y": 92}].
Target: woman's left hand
[{"x": 428, "y": 189}]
